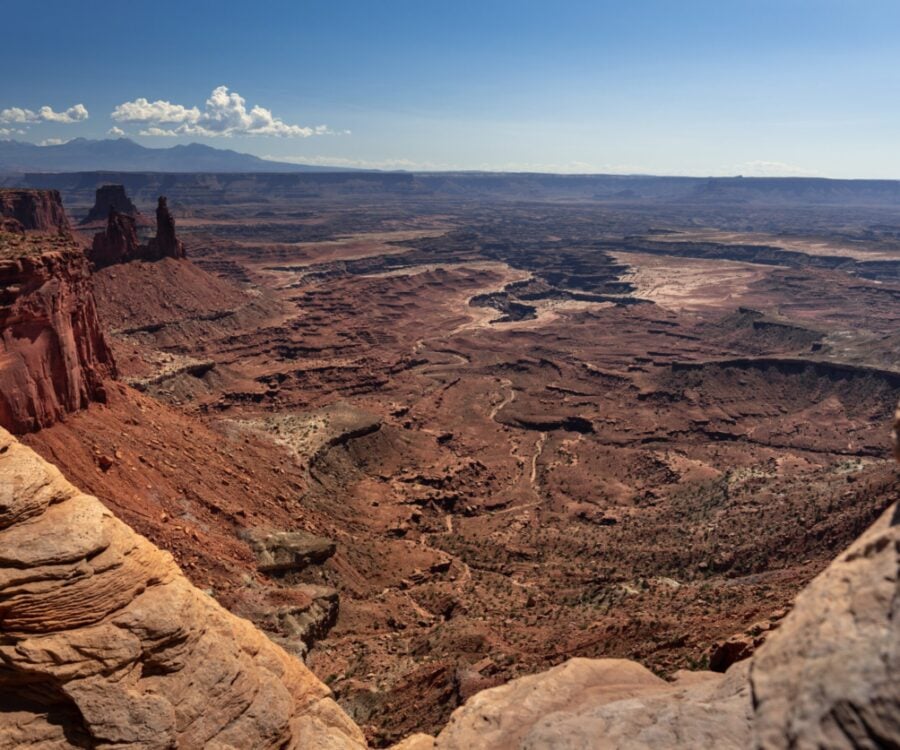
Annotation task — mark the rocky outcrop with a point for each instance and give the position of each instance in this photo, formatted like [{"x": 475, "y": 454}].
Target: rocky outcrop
[
  {"x": 293, "y": 616},
  {"x": 112, "y": 198},
  {"x": 605, "y": 704},
  {"x": 35, "y": 210},
  {"x": 743, "y": 645},
  {"x": 827, "y": 678},
  {"x": 166, "y": 244},
  {"x": 53, "y": 356},
  {"x": 118, "y": 243},
  {"x": 281, "y": 552},
  {"x": 105, "y": 644}
]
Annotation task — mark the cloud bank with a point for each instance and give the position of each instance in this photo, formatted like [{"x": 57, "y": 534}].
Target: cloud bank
[
  {"x": 20, "y": 116},
  {"x": 224, "y": 114}
]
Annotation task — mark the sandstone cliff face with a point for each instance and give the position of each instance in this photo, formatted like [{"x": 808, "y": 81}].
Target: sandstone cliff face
[
  {"x": 112, "y": 198},
  {"x": 105, "y": 644},
  {"x": 53, "y": 356},
  {"x": 38, "y": 210}
]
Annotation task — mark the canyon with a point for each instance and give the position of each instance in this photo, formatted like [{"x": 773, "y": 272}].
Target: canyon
[{"x": 435, "y": 436}]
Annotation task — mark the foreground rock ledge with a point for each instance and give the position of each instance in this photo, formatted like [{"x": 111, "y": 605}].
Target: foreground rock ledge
[
  {"x": 105, "y": 644},
  {"x": 827, "y": 678}
]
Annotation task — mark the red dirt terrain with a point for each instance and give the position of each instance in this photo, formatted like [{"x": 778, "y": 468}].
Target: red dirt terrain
[{"x": 432, "y": 444}]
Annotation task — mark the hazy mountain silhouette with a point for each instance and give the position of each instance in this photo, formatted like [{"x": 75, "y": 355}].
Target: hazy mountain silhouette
[{"x": 124, "y": 155}]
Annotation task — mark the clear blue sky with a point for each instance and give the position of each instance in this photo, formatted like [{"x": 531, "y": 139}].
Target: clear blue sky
[{"x": 656, "y": 86}]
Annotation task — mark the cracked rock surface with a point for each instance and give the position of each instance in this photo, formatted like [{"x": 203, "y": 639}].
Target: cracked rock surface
[{"x": 105, "y": 644}]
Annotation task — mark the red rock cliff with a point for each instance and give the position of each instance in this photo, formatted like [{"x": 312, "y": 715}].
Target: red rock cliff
[
  {"x": 53, "y": 356},
  {"x": 40, "y": 210}
]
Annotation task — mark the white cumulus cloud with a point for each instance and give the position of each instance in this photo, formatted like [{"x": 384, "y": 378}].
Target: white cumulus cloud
[
  {"x": 78, "y": 113},
  {"x": 142, "y": 110},
  {"x": 115, "y": 132},
  {"x": 18, "y": 115},
  {"x": 224, "y": 114}
]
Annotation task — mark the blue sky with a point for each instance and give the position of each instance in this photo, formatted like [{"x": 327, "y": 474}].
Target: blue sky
[{"x": 654, "y": 86}]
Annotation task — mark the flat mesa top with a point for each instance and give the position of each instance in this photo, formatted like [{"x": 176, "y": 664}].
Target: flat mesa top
[{"x": 14, "y": 245}]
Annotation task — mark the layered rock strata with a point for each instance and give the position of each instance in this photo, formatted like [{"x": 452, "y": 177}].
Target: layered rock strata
[
  {"x": 53, "y": 355},
  {"x": 105, "y": 644}
]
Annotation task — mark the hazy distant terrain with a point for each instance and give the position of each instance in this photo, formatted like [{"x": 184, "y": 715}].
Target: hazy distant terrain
[{"x": 237, "y": 178}]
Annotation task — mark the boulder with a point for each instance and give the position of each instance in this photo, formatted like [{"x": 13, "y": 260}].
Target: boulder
[{"x": 415, "y": 742}]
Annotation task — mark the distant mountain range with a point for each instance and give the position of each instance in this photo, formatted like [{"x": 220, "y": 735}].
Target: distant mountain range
[{"x": 124, "y": 155}]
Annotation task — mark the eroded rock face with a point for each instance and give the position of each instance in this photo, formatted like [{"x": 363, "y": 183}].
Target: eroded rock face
[
  {"x": 604, "y": 704},
  {"x": 53, "y": 356},
  {"x": 106, "y": 644},
  {"x": 829, "y": 676},
  {"x": 36, "y": 210},
  {"x": 112, "y": 198},
  {"x": 118, "y": 243}
]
